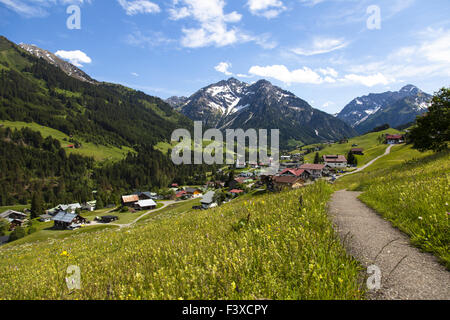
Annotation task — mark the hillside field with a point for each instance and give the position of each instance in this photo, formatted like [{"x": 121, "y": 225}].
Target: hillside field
[
  {"x": 263, "y": 247},
  {"x": 412, "y": 190},
  {"x": 369, "y": 142},
  {"x": 89, "y": 149}
]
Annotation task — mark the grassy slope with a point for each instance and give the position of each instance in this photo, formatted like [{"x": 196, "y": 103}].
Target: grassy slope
[
  {"x": 369, "y": 142},
  {"x": 99, "y": 152},
  {"x": 281, "y": 253},
  {"x": 411, "y": 190}
]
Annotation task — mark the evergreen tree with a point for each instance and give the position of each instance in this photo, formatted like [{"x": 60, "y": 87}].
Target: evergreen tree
[
  {"x": 37, "y": 205},
  {"x": 351, "y": 159},
  {"x": 432, "y": 131},
  {"x": 317, "y": 158}
]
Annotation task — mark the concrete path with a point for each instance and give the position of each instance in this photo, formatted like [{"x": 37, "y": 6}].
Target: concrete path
[
  {"x": 388, "y": 150},
  {"x": 407, "y": 273}
]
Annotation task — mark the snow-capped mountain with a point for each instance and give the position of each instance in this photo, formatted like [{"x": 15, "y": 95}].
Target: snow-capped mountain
[
  {"x": 65, "y": 66},
  {"x": 232, "y": 104},
  {"x": 395, "y": 108}
]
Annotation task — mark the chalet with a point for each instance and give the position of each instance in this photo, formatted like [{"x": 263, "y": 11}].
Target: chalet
[
  {"x": 11, "y": 215},
  {"x": 147, "y": 204},
  {"x": 395, "y": 139},
  {"x": 335, "y": 161},
  {"x": 281, "y": 182},
  {"x": 130, "y": 200},
  {"x": 65, "y": 220},
  {"x": 315, "y": 170},
  {"x": 64, "y": 207},
  {"x": 45, "y": 218},
  {"x": 208, "y": 200},
  {"x": 358, "y": 151},
  {"x": 181, "y": 194},
  {"x": 193, "y": 192},
  {"x": 300, "y": 173},
  {"x": 236, "y": 192},
  {"x": 89, "y": 206}
]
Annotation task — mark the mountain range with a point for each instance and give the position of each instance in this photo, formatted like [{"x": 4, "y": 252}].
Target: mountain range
[
  {"x": 393, "y": 108},
  {"x": 232, "y": 104}
]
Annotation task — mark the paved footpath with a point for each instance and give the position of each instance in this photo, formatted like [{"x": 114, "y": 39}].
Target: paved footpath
[{"x": 407, "y": 273}]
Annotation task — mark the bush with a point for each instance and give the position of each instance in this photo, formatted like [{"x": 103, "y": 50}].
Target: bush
[{"x": 18, "y": 233}]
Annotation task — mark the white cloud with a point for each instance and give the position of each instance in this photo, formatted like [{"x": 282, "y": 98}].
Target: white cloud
[
  {"x": 213, "y": 25},
  {"x": 266, "y": 8},
  {"x": 321, "y": 46},
  {"x": 283, "y": 74},
  {"x": 368, "y": 81},
  {"x": 306, "y": 75},
  {"x": 37, "y": 8},
  {"x": 139, "y": 6},
  {"x": 75, "y": 57},
  {"x": 135, "y": 74},
  {"x": 430, "y": 57},
  {"x": 223, "y": 67}
]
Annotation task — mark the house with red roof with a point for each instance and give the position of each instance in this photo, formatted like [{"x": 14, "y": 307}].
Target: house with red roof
[
  {"x": 296, "y": 172},
  {"x": 395, "y": 139}
]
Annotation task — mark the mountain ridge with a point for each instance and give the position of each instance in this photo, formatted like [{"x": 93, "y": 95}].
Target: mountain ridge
[
  {"x": 393, "y": 107},
  {"x": 233, "y": 104}
]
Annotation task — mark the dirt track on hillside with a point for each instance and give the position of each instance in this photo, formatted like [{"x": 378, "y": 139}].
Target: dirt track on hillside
[{"x": 407, "y": 273}]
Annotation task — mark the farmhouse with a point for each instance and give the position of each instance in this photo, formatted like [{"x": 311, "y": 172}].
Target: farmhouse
[
  {"x": 292, "y": 182},
  {"x": 207, "y": 200},
  {"x": 300, "y": 173},
  {"x": 315, "y": 170},
  {"x": 45, "y": 218},
  {"x": 358, "y": 151},
  {"x": 148, "y": 204},
  {"x": 13, "y": 215},
  {"x": 236, "y": 192},
  {"x": 395, "y": 139},
  {"x": 193, "y": 192},
  {"x": 181, "y": 194},
  {"x": 89, "y": 206},
  {"x": 130, "y": 200},
  {"x": 335, "y": 161},
  {"x": 64, "y": 220}
]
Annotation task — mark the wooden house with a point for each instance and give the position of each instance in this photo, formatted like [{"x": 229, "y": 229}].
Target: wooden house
[
  {"x": 316, "y": 170},
  {"x": 292, "y": 182},
  {"x": 208, "y": 200},
  {"x": 335, "y": 161},
  {"x": 358, "y": 151},
  {"x": 63, "y": 220},
  {"x": 395, "y": 139},
  {"x": 130, "y": 200},
  {"x": 147, "y": 204}
]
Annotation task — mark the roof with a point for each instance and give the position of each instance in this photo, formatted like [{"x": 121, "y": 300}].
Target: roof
[
  {"x": 191, "y": 190},
  {"x": 180, "y": 194},
  {"x": 334, "y": 158},
  {"x": 394, "y": 137},
  {"x": 286, "y": 179},
  {"x": 65, "y": 217},
  {"x": 236, "y": 191},
  {"x": 7, "y": 213},
  {"x": 130, "y": 198},
  {"x": 312, "y": 166},
  {"x": 295, "y": 172},
  {"x": 357, "y": 149},
  {"x": 208, "y": 197},
  {"x": 146, "y": 203}
]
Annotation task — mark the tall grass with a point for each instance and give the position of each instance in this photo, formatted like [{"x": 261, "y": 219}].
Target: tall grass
[
  {"x": 415, "y": 196},
  {"x": 265, "y": 247}
]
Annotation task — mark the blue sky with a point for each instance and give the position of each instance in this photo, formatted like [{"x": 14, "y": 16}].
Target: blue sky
[{"x": 325, "y": 51}]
